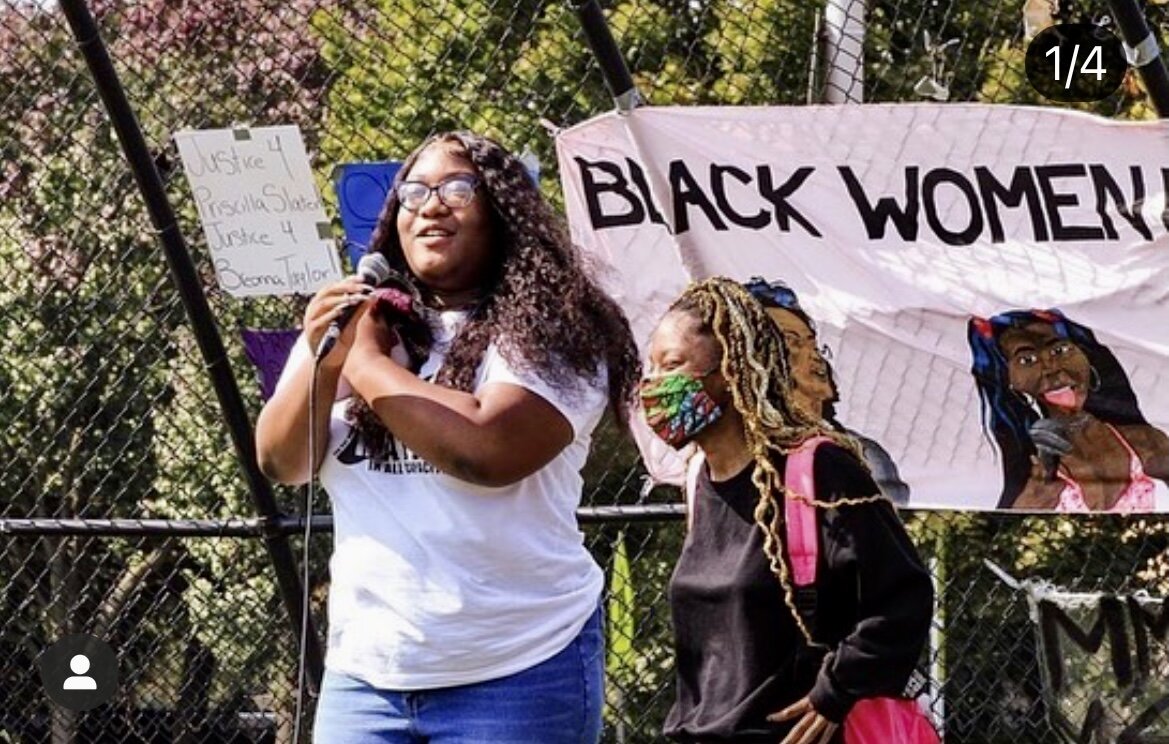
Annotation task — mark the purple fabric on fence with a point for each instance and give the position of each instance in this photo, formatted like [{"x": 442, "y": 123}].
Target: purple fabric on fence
[{"x": 268, "y": 350}]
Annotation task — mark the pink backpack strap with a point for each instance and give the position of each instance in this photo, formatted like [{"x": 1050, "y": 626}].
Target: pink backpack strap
[
  {"x": 803, "y": 549},
  {"x": 690, "y": 489}
]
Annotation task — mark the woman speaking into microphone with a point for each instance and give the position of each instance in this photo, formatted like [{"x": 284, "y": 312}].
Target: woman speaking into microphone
[{"x": 463, "y": 604}]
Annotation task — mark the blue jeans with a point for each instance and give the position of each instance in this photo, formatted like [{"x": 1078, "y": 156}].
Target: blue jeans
[{"x": 558, "y": 701}]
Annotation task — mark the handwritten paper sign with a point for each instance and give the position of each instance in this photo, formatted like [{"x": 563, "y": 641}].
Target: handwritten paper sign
[{"x": 260, "y": 209}]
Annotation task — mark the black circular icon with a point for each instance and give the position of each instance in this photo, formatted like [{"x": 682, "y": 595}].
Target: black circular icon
[
  {"x": 79, "y": 672},
  {"x": 1075, "y": 62}
]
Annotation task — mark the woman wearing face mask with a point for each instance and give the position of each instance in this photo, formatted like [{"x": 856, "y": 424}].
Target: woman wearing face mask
[
  {"x": 1065, "y": 417},
  {"x": 463, "y": 605},
  {"x": 749, "y": 668}
]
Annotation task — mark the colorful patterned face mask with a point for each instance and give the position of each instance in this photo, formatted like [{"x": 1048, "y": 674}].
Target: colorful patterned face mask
[{"x": 676, "y": 406}]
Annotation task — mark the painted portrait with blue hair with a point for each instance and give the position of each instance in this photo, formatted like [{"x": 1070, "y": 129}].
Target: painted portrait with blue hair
[
  {"x": 815, "y": 380},
  {"x": 1064, "y": 416}
]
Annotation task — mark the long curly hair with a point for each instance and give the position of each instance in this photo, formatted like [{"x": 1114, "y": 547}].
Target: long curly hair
[
  {"x": 754, "y": 362},
  {"x": 540, "y": 306},
  {"x": 1007, "y": 417}
]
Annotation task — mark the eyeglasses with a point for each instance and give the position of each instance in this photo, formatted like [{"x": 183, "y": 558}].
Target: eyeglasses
[{"x": 455, "y": 192}]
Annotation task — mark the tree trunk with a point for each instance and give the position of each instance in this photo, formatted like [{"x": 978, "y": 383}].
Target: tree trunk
[{"x": 195, "y": 695}]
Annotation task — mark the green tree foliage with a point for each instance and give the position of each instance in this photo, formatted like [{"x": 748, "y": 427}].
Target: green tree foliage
[
  {"x": 393, "y": 85},
  {"x": 106, "y": 402},
  {"x": 501, "y": 68},
  {"x": 906, "y": 41}
]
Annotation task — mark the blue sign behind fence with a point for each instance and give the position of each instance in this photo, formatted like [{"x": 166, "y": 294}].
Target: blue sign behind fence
[{"x": 361, "y": 191}]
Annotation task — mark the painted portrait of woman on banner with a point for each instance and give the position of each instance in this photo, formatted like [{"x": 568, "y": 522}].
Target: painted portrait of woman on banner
[
  {"x": 1065, "y": 418},
  {"x": 815, "y": 381}
]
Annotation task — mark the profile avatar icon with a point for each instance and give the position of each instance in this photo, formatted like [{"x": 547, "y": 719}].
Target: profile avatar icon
[
  {"x": 79, "y": 672},
  {"x": 80, "y": 681}
]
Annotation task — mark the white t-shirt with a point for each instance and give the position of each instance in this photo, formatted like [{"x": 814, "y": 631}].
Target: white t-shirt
[{"x": 438, "y": 582}]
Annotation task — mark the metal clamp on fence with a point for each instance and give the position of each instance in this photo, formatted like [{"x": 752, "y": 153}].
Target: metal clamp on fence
[
  {"x": 1146, "y": 52},
  {"x": 1142, "y": 50}
]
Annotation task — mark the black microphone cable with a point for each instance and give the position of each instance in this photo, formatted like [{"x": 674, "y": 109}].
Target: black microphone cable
[
  {"x": 374, "y": 269},
  {"x": 309, "y": 502}
]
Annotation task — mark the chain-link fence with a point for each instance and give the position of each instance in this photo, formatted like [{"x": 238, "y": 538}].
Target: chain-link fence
[{"x": 109, "y": 412}]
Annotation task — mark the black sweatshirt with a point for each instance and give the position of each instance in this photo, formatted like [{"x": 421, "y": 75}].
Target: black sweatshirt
[{"x": 740, "y": 655}]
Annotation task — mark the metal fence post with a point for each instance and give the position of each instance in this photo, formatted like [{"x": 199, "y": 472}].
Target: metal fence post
[
  {"x": 1143, "y": 50},
  {"x": 844, "y": 56},
  {"x": 608, "y": 55},
  {"x": 162, "y": 216}
]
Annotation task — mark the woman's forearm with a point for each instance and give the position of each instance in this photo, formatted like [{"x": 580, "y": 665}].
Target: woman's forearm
[
  {"x": 282, "y": 428},
  {"x": 493, "y": 440}
]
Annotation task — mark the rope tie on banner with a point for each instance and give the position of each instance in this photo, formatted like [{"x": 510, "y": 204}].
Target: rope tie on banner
[
  {"x": 1148, "y": 50},
  {"x": 628, "y": 100},
  {"x": 1040, "y": 590}
]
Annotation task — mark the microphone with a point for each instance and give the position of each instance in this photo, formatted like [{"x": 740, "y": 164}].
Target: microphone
[
  {"x": 1051, "y": 437},
  {"x": 372, "y": 269},
  {"x": 1050, "y": 462}
]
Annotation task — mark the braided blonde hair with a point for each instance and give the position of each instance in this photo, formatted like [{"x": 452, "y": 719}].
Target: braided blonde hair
[{"x": 756, "y": 367}]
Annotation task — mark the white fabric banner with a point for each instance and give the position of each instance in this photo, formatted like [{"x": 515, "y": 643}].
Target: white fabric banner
[{"x": 918, "y": 238}]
